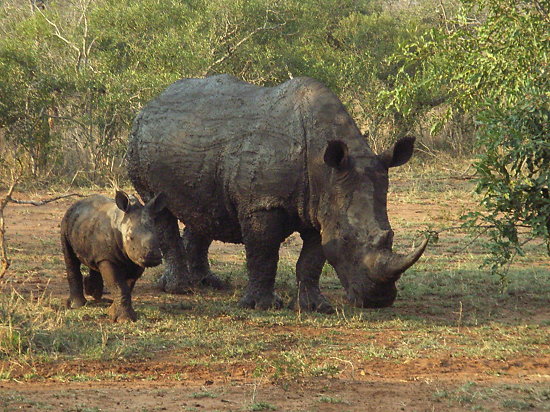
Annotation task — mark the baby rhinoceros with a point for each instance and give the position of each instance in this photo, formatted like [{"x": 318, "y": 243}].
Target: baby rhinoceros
[{"x": 117, "y": 241}]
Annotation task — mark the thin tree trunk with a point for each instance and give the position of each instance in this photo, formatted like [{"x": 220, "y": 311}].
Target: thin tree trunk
[{"x": 4, "y": 259}]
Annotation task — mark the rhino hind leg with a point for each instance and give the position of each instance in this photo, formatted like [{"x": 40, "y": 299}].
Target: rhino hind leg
[
  {"x": 93, "y": 285},
  {"x": 176, "y": 277},
  {"x": 196, "y": 249},
  {"x": 308, "y": 271},
  {"x": 74, "y": 276},
  {"x": 262, "y": 235}
]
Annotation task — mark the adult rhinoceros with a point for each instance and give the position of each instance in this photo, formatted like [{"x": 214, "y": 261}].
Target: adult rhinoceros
[{"x": 247, "y": 164}]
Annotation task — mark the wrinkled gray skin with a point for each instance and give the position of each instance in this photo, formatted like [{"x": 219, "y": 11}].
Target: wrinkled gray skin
[
  {"x": 117, "y": 241},
  {"x": 247, "y": 164}
]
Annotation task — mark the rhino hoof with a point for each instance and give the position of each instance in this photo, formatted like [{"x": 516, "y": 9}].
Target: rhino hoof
[
  {"x": 271, "y": 301},
  {"x": 93, "y": 287},
  {"x": 75, "y": 303},
  {"x": 215, "y": 282},
  {"x": 170, "y": 284},
  {"x": 121, "y": 314},
  {"x": 318, "y": 304}
]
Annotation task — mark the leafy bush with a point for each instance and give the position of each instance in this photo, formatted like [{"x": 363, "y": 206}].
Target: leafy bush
[
  {"x": 491, "y": 62},
  {"x": 513, "y": 175},
  {"x": 74, "y": 74}
]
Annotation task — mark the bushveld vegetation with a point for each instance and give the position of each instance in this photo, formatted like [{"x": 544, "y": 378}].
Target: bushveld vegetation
[{"x": 75, "y": 73}]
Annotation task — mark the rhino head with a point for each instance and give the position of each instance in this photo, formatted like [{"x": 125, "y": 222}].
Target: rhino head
[
  {"x": 140, "y": 241},
  {"x": 356, "y": 234}
]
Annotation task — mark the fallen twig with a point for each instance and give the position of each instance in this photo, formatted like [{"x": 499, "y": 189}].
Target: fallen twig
[{"x": 43, "y": 202}]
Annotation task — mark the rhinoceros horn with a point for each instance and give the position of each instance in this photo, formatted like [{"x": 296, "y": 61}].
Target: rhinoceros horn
[{"x": 385, "y": 266}]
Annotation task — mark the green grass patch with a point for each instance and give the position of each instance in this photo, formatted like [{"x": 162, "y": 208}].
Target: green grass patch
[{"x": 503, "y": 397}]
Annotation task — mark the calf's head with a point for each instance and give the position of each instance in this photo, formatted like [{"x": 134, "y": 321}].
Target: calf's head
[
  {"x": 356, "y": 235},
  {"x": 139, "y": 237}
]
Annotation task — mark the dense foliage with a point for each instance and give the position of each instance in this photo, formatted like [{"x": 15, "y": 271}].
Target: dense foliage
[
  {"x": 74, "y": 73},
  {"x": 491, "y": 63}
]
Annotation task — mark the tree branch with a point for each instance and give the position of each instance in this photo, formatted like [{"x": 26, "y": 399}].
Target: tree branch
[
  {"x": 232, "y": 49},
  {"x": 58, "y": 32}
]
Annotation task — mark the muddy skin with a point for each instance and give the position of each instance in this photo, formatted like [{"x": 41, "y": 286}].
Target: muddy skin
[
  {"x": 247, "y": 164},
  {"x": 116, "y": 240}
]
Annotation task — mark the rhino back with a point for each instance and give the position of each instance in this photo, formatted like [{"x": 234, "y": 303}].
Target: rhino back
[
  {"x": 219, "y": 148},
  {"x": 90, "y": 227}
]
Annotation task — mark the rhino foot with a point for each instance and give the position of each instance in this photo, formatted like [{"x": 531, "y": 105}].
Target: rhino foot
[
  {"x": 177, "y": 285},
  {"x": 213, "y": 281},
  {"x": 262, "y": 302},
  {"x": 119, "y": 313},
  {"x": 315, "y": 302},
  {"x": 171, "y": 284},
  {"x": 75, "y": 302},
  {"x": 100, "y": 302},
  {"x": 93, "y": 287}
]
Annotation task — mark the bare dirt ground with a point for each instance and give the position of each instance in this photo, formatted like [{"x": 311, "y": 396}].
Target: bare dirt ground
[{"x": 148, "y": 385}]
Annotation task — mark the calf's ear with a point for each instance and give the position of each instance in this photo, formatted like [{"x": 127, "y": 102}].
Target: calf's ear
[
  {"x": 158, "y": 203},
  {"x": 122, "y": 201},
  {"x": 399, "y": 154}
]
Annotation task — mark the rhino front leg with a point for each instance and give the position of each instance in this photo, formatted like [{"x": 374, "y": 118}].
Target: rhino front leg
[
  {"x": 262, "y": 238},
  {"x": 121, "y": 309},
  {"x": 196, "y": 248},
  {"x": 176, "y": 278},
  {"x": 308, "y": 271},
  {"x": 74, "y": 276}
]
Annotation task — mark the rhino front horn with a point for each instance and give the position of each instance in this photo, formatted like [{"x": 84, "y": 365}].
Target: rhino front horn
[
  {"x": 399, "y": 263},
  {"x": 385, "y": 267}
]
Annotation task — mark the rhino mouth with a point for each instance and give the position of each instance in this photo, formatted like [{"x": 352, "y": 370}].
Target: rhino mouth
[
  {"x": 382, "y": 268},
  {"x": 150, "y": 261},
  {"x": 373, "y": 298}
]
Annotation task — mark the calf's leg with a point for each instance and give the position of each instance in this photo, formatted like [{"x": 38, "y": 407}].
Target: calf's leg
[{"x": 121, "y": 309}]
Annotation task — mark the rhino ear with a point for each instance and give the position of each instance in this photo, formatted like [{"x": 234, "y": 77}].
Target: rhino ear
[
  {"x": 399, "y": 154},
  {"x": 158, "y": 203},
  {"x": 122, "y": 201},
  {"x": 336, "y": 154}
]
